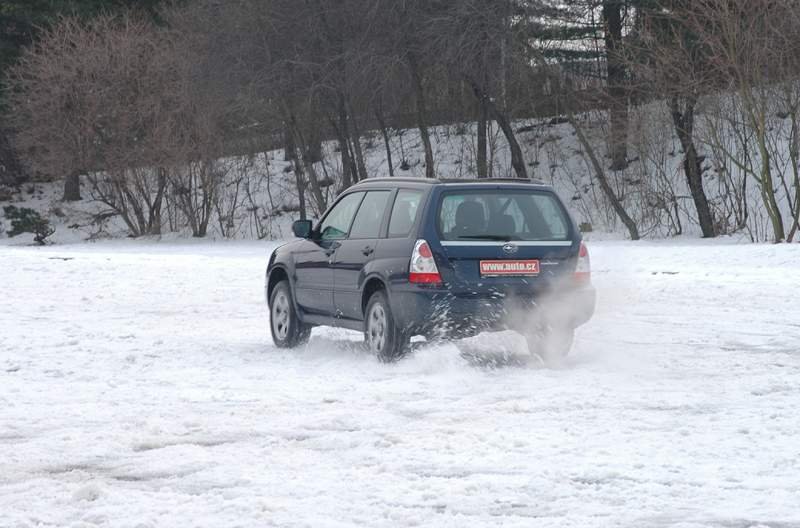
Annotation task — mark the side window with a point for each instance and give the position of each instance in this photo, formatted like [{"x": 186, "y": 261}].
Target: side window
[
  {"x": 370, "y": 215},
  {"x": 404, "y": 213},
  {"x": 337, "y": 223}
]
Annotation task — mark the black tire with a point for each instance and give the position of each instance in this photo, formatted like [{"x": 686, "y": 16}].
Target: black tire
[
  {"x": 551, "y": 343},
  {"x": 381, "y": 334},
  {"x": 286, "y": 328}
]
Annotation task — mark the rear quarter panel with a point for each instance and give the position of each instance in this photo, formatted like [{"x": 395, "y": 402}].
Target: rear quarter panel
[{"x": 393, "y": 255}]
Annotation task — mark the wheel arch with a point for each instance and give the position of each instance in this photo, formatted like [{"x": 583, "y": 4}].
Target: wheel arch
[
  {"x": 371, "y": 285},
  {"x": 276, "y": 275}
]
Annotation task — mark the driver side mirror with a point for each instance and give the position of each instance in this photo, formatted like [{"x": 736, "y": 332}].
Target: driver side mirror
[{"x": 302, "y": 228}]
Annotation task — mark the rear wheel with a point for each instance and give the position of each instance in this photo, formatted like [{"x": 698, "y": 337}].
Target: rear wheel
[
  {"x": 381, "y": 334},
  {"x": 287, "y": 330},
  {"x": 551, "y": 343}
]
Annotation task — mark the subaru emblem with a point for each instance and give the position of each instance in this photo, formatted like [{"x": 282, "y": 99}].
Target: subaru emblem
[{"x": 510, "y": 248}]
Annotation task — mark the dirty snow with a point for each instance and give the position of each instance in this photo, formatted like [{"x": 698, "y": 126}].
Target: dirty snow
[{"x": 139, "y": 388}]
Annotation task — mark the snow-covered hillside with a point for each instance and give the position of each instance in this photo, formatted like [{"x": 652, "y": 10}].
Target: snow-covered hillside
[
  {"x": 138, "y": 388},
  {"x": 259, "y": 197}
]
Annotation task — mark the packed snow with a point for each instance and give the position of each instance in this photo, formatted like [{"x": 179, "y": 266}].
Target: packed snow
[{"x": 139, "y": 388}]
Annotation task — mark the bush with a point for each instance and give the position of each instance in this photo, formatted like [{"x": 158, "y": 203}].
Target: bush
[{"x": 24, "y": 220}]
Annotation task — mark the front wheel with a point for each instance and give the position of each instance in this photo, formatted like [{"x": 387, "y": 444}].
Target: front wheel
[
  {"x": 287, "y": 330},
  {"x": 381, "y": 334}
]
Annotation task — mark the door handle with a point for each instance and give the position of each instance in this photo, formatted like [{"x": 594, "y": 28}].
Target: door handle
[{"x": 367, "y": 251}]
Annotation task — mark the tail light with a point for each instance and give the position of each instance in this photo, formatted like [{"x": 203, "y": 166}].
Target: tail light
[
  {"x": 423, "y": 268},
  {"x": 583, "y": 271}
]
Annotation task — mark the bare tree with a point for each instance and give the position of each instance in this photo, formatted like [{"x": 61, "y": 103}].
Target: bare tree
[
  {"x": 670, "y": 63},
  {"x": 569, "y": 100},
  {"x": 52, "y": 111},
  {"x": 87, "y": 99},
  {"x": 151, "y": 116},
  {"x": 473, "y": 39},
  {"x": 128, "y": 105},
  {"x": 753, "y": 49}
]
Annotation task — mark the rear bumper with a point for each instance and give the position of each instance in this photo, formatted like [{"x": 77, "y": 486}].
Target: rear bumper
[{"x": 438, "y": 313}]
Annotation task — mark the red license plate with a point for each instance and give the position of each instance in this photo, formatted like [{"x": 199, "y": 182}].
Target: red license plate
[{"x": 509, "y": 267}]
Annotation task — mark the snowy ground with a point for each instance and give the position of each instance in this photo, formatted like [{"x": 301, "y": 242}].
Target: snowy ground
[{"x": 138, "y": 388}]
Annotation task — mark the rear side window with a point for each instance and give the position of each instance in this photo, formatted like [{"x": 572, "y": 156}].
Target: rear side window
[
  {"x": 502, "y": 215},
  {"x": 337, "y": 223},
  {"x": 404, "y": 213},
  {"x": 370, "y": 215}
]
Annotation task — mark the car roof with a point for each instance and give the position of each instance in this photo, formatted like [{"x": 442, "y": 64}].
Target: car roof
[{"x": 452, "y": 181}]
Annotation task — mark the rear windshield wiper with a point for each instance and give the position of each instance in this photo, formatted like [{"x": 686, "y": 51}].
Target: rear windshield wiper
[{"x": 499, "y": 238}]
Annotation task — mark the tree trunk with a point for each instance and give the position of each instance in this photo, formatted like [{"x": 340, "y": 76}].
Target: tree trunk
[
  {"x": 617, "y": 96},
  {"x": 385, "y": 134},
  {"x": 422, "y": 115},
  {"x": 684, "y": 128},
  {"x": 314, "y": 147},
  {"x": 483, "y": 118},
  {"x": 155, "y": 208},
  {"x": 358, "y": 151},
  {"x": 794, "y": 157},
  {"x": 351, "y": 150},
  {"x": 307, "y": 168},
  {"x": 135, "y": 206},
  {"x": 316, "y": 190},
  {"x": 347, "y": 162},
  {"x": 767, "y": 191},
  {"x": 11, "y": 172},
  {"x": 517, "y": 159},
  {"x": 72, "y": 187},
  {"x": 301, "y": 188},
  {"x": 349, "y": 170},
  {"x": 600, "y": 174},
  {"x": 288, "y": 143}
]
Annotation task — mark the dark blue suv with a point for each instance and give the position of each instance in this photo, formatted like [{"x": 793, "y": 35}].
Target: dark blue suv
[{"x": 397, "y": 258}]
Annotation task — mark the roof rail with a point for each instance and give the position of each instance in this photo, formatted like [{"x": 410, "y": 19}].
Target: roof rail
[
  {"x": 432, "y": 181},
  {"x": 494, "y": 180},
  {"x": 400, "y": 179}
]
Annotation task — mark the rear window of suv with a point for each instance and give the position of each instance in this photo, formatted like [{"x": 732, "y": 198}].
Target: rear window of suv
[{"x": 499, "y": 214}]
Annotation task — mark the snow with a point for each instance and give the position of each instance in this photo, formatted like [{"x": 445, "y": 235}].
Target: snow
[{"x": 139, "y": 388}]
